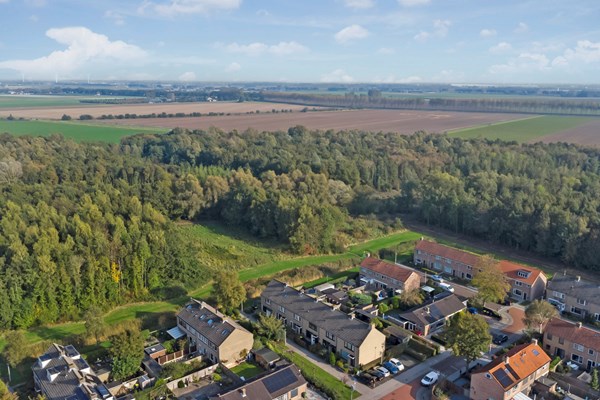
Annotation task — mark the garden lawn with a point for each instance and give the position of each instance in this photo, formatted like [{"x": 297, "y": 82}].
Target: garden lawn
[
  {"x": 247, "y": 370},
  {"x": 317, "y": 376},
  {"x": 523, "y": 130},
  {"x": 79, "y": 132}
]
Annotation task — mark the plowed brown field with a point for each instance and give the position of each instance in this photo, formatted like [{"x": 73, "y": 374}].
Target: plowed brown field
[
  {"x": 586, "y": 134},
  {"x": 96, "y": 110},
  {"x": 370, "y": 120}
]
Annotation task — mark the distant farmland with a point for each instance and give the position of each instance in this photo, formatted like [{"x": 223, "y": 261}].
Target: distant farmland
[
  {"x": 73, "y": 130},
  {"x": 532, "y": 129}
]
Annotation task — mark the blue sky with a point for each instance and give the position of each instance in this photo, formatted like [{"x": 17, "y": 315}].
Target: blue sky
[{"x": 385, "y": 41}]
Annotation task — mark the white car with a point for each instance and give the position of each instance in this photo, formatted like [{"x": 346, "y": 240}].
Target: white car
[
  {"x": 430, "y": 378},
  {"x": 384, "y": 371},
  {"x": 397, "y": 363}
]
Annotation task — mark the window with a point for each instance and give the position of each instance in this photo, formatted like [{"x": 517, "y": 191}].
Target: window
[
  {"x": 590, "y": 352},
  {"x": 448, "y": 261},
  {"x": 330, "y": 335},
  {"x": 517, "y": 283},
  {"x": 469, "y": 276},
  {"x": 349, "y": 346},
  {"x": 577, "y": 358},
  {"x": 517, "y": 292},
  {"x": 523, "y": 274},
  {"x": 203, "y": 339},
  {"x": 267, "y": 301},
  {"x": 418, "y": 251},
  {"x": 558, "y": 295},
  {"x": 294, "y": 393},
  {"x": 576, "y": 310},
  {"x": 469, "y": 267},
  {"x": 282, "y": 397},
  {"x": 312, "y": 326},
  {"x": 549, "y": 336},
  {"x": 561, "y": 340},
  {"x": 577, "y": 347},
  {"x": 581, "y": 302},
  {"x": 597, "y": 317},
  {"x": 282, "y": 308},
  {"x": 297, "y": 317},
  {"x": 438, "y": 258}
]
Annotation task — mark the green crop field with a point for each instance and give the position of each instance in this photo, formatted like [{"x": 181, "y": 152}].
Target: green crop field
[
  {"x": 12, "y": 101},
  {"x": 73, "y": 130},
  {"x": 523, "y": 130}
]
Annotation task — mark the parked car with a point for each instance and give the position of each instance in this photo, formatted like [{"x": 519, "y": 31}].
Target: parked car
[
  {"x": 437, "y": 278},
  {"x": 376, "y": 373},
  {"x": 368, "y": 379},
  {"x": 429, "y": 379},
  {"x": 499, "y": 339},
  {"x": 391, "y": 367},
  {"x": 446, "y": 287},
  {"x": 384, "y": 371},
  {"x": 397, "y": 363},
  {"x": 472, "y": 310}
]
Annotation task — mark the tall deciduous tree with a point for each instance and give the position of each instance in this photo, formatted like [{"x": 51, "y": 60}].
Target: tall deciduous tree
[
  {"x": 270, "y": 327},
  {"x": 409, "y": 298},
  {"x": 228, "y": 291},
  {"x": 94, "y": 323},
  {"x": 127, "y": 351},
  {"x": 16, "y": 349},
  {"x": 489, "y": 280},
  {"x": 468, "y": 335},
  {"x": 538, "y": 313}
]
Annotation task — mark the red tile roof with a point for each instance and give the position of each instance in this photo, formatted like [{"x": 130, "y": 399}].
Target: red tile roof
[
  {"x": 516, "y": 365},
  {"x": 388, "y": 269},
  {"x": 511, "y": 270},
  {"x": 447, "y": 252},
  {"x": 573, "y": 333}
]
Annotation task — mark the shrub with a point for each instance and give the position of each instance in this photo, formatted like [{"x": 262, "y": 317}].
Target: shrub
[
  {"x": 216, "y": 377},
  {"x": 332, "y": 359},
  {"x": 180, "y": 384},
  {"x": 554, "y": 363}
]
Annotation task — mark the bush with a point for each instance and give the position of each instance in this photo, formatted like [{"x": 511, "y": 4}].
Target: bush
[
  {"x": 332, "y": 359},
  {"x": 554, "y": 363},
  {"x": 216, "y": 377},
  {"x": 339, "y": 364},
  {"x": 65, "y": 117},
  {"x": 180, "y": 384},
  {"x": 85, "y": 117}
]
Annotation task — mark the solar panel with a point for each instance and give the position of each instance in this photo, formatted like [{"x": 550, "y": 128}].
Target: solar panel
[
  {"x": 280, "y": 380},
  {"x": 502, "y": 376}
]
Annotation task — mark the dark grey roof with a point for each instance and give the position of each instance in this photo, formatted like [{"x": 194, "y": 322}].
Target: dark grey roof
[
  {"x": 322, "y": 315},
  {"x": 267, "y": 354},
  {"x": 432, "y": 312},
  {"x": 215, "y": 326},
  {"x": 62, "y": 374},
  {"x": 154, "y": 349},
  {"x": 268, "y": 387},
  {"x": 571, "y": 286}
]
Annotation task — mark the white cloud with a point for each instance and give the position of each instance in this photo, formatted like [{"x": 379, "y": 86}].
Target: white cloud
[
  {"x": 117, "y": 18},
  {"x": 359, "y": 4},
  {"x": 487, "y": 33},
  {"x": 440, "y": 30},
  {"x": 263, "y": 13},
  {"x": 233, "y": 67},
  {"x": 501, "y": 47},
  {"x": 4, "y": 1},
  {"x": 258, "y": 48},
  {"x": 34, "y": 18},
  {"x": 386, "y": 50},
  {"x": 188, "y": 76},
  {"x": 350, "y": 33},
  {"x": 337, "y": 76},
  {"x": 585, "y": 52},
  {"x": 84, "y": 48},
  {"x": 525, "y": 62},
  {"x": 412, "y": 3},
  {"x": 171, "y": 8},
  {"x": 521, "y": 28}
]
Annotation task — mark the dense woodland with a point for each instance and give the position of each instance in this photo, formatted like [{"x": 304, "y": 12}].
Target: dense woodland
[{"x": 93, "y": 224}]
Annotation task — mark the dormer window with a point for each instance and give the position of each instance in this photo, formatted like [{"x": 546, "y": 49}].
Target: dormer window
[{"x": 523, "y": 274}]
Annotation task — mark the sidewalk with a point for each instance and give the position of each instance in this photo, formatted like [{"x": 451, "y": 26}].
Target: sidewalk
[{"x": 380, "y": 391}]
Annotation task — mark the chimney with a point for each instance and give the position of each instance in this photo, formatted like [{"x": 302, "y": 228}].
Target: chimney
[
  {"x": 579, "y": 325},
  {"x": 534, "y": 341},
  {"x": 578, "y": 278},
  {"x": 427, "y": 310},
  {"x": 506, "y": 360},
  {"x": 243, "y": 392},
  {"x": 351, "y": 315}
]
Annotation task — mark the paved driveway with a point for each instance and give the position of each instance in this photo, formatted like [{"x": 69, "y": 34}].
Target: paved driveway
[{"x": 412, "y": 390}]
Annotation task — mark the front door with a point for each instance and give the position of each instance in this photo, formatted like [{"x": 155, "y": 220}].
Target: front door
[
  {"x": 590, "y": 365},
  {"x": 560, "y": 353}
]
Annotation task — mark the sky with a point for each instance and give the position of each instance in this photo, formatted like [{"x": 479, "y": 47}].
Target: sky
[{"x": 337, "y": 41}]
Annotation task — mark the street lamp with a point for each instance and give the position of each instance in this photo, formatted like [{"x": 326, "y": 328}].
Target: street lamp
[{"x": 353, "y": 387}]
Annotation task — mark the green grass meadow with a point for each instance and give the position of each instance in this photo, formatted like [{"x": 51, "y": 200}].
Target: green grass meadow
[
  {"x": 522, "y": 130},
  {"x": 79, "y": 132}
]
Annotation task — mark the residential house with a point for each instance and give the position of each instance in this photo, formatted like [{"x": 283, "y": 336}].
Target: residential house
[
  {"x": 507, "y": 376},
  {"x": 575, "y": 295},
  {"x": 286, "y": 383},
  {"x": 430, "y": 317},
  {"x": 381, "y": 274},
  {"x": 61, "y": 373},
  {"x": 572, "y": 341},
  {"x": 266, "y": 357},
  {"x": 357, "y": 342},
  {"x": 527, "y": 283},
  {"x": 216, "y": 336}
]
